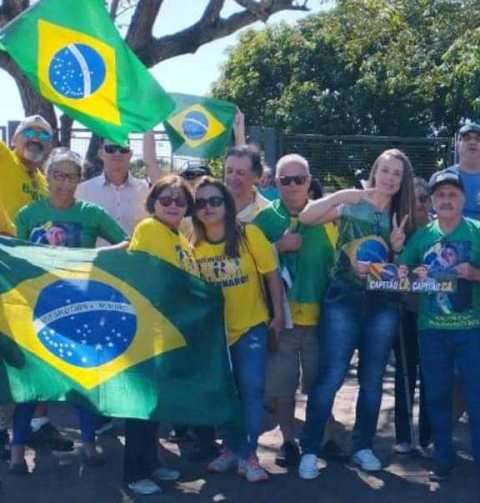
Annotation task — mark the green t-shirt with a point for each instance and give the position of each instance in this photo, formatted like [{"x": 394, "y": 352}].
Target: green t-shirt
[
  {"x": 364, "y": 235},
  {"x": 441, "y": 252},
  {"x": 308, "y": 267},
  {"x": 76, "y": 227}
]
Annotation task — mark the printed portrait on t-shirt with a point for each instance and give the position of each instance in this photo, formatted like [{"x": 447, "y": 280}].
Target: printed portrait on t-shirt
[
  {"x": 443, "y": 257},
  {"x": 57, "y": 234}
]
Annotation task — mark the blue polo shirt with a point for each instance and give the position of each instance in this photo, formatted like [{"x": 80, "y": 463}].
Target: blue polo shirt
[{"x": 471, "y": 181}]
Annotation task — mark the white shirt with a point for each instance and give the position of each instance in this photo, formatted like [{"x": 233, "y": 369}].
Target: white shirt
[
  {"x": 249, "y": 213},
  {"x": 125, "y": 203}
]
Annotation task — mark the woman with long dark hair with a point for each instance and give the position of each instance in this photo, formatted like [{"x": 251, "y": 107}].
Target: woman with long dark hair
[
  {"x": 239, "y": 258},
  {"x": 373, "y": 225}
]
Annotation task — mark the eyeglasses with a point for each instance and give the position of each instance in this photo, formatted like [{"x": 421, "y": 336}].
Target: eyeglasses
[
  {"x": 166, "y": 201},
  {"x": 212, "y": 201},
  {"x": 32, "y": 133},
  {"x": 298, "y": 179},
  {"x": 58, "y": 176},
  {"x": 111, "y": 149}
]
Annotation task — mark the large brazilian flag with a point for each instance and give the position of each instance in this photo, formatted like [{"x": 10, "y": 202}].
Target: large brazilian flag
[
  {"x": 74, "y": 57},
  {"x": 200, "y": 127},
  {"x": 124, "y": 333}
]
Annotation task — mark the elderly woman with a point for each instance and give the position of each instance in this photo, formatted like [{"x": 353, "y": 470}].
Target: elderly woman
[
  {"x": 61, "y": 220},
  {"x": 170, "y": 200}
]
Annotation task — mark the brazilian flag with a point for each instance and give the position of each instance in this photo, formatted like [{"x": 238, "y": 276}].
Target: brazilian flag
[
  {"x": 74, "y": 57},
  {"x": 122, "y": 333},
  {"x": 200, "y": 127}
]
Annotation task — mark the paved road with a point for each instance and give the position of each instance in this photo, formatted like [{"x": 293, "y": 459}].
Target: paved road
[{"x": 62, "y": 479}]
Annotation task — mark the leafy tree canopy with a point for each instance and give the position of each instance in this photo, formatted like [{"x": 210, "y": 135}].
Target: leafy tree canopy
[{"x": 383, "y": 67}]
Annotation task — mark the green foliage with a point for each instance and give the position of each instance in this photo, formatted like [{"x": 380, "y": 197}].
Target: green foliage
[{"x": 384, "y": 67}]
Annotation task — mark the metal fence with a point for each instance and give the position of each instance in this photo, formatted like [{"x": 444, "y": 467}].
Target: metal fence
[
  {"x": 335, "y": 159},
  {"x": 170, "y": 162}
]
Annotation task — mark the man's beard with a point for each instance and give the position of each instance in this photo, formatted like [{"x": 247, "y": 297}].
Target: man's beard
[{"x": 34, "y": 152}]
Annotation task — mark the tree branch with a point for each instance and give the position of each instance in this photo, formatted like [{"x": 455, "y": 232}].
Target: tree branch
[
  {"x": 114, "y": 8},
  {"x": 11, "y": 8},
  {"x": 212, "y": 26},
  {"x": 141, "y": 26}
]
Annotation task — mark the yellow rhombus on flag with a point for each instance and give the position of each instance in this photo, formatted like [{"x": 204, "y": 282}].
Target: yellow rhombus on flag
[
  {"x": 73, "y": 55},
  {"x": 61, "y": 53}
]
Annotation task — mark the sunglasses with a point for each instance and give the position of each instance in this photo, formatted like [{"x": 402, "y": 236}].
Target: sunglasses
[
  {"x": 192, "y": 175},
  {"x": 111, "y": 149},
  {"x": 58, "y": 176},
  {"x": 298, "y": 179},
  {"x": 213, "y": 202},
  {"x": 32, "y": 133},
  {"x": 166, "y": 201}
]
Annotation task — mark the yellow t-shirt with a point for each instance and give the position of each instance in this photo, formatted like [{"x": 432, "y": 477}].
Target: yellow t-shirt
[
  {"x": 239, "y": 278},
  {"x": 17, "y": 188},
  {"x": 154, "y": 237},
  {"x": 307, "y": 314}
]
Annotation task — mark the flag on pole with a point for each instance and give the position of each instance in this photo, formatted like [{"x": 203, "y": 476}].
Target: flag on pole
[
  {"x": 74, "y": 57},
  {"x": 124, "y": 333},
  {"x": 200, "y": 127}
]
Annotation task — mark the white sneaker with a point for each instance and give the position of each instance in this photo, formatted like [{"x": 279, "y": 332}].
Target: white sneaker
[
  {"x": 144, "y": 487},
  {"x": 403, "y": 448},
  {"x": 367, "y": 460},
  {"x": 308, "y": 467},
  {"x": 164, "y": 473}
]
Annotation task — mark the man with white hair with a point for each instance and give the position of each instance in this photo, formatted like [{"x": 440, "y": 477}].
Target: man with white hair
[{"x": 306, "y": 255}]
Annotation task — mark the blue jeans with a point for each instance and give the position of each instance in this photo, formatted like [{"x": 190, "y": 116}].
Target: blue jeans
[
  {"x": 441, "y": 353},
  {"x": 351, "y": 318},
  {"x": 249, "y": 355},
  {"x": 24, "y": 413}
]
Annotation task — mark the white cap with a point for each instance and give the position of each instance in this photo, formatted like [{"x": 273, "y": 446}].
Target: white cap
[
  {"x": 63, "y": 154},
  {"x": 33, "y": 121}
]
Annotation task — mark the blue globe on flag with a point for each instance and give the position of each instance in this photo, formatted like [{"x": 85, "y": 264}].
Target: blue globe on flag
[
  {"x": 77, "y": 71},
  {"x": 84, "y": 323},
  {"x": 372, "y": 250},
  {"x": 195, "y": 125}
]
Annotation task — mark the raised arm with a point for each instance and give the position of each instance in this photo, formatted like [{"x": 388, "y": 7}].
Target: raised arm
[
  {"x": 326, "y": 209},
  {"x": 239, "y": 129},
  {"x": 152, "y": 169}
]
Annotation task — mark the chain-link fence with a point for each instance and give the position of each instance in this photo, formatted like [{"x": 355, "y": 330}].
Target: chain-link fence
[
  {"x": 170, "y": 162},
  {"x": 339, "y": 160}
]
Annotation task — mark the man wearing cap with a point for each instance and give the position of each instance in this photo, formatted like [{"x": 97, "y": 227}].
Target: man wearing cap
[
  {"x": 468, "y": 149},
  {"x": 22, "y": 178},
  {"x": 120, "y": 193},
  {"x": 22, "y": 183},
  {"x": 449, "y": 323}
]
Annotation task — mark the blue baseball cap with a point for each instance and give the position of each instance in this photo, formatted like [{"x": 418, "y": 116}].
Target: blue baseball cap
[
  {"x": 444, "y": 177},
  {"x": 471, "y": 127}
]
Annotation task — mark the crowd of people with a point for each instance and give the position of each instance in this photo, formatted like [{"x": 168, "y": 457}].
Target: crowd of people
[{"x": 292, "y": 265}]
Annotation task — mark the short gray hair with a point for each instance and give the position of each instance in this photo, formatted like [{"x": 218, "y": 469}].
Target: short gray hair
[
  {"x": 64, "y": 154},
  {"x": 292, "y": 158}
]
